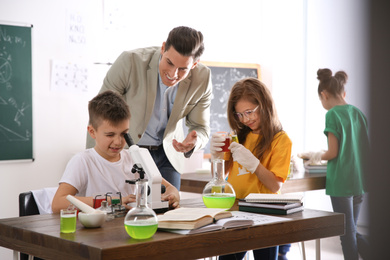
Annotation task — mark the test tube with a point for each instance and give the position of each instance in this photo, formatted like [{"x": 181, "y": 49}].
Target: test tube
[{"x": 233, "y": 135}]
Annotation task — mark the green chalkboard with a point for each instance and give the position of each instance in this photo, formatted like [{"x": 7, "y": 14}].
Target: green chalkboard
[{"x": 16, "y": 142}]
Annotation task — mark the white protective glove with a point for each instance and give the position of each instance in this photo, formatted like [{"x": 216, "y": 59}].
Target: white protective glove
[
  {"x": 216, "y": 142},
  {"x": 313, "y": 158},
  {"x": 244, "y": 157}
]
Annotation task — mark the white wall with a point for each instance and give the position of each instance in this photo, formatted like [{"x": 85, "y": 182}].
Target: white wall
[
  {"x": 337, "y": 38},
  {"x": 59, "y": 119},
  {"x": 270, "y": 33}
]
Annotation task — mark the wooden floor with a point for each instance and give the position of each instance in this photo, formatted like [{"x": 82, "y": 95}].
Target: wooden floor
[{"x": 330, "y": 249}]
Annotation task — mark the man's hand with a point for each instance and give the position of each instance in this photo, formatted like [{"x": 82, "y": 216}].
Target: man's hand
[{"x": 188, "y": 144}]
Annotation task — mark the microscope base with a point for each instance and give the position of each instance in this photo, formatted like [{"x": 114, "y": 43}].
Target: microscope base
[
  {"x": 159, "y": 206},
  {"x": 160, "y": 210}
]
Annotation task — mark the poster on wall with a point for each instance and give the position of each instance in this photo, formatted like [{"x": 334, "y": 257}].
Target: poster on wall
[
  {"x": 69, "y": 77},
  {"x": 16, "y": 124}
]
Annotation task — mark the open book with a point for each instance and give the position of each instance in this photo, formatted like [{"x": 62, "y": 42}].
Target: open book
[
  {"x": 274, "y": 198},
  {"x": 239, "y": 219},
  {"x": 191, "y": 218},
  {"x": 224, "y": 223}
]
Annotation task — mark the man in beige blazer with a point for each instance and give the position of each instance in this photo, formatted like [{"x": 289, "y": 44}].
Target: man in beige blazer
[{"x": 164, "y": 86}]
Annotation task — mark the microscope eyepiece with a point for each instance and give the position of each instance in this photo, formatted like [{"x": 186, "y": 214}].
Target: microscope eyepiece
[{"x": 128, "y": 139}]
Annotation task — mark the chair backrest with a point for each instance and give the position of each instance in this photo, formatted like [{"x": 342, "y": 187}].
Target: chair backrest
[
  {"x": 27, "y": 207},
  {"x": 27, "y": 204}
]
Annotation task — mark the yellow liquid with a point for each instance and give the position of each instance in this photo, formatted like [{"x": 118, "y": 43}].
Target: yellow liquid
[
  {"x": 68, "y": 224},
  {"x": 140, "y": 231},
  {"x": 224, "y": 201},
  {"x": 234, "y": 138}
]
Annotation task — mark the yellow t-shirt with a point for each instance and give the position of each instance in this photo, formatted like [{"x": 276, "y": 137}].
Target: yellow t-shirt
[{"x": 277, "y": 161}]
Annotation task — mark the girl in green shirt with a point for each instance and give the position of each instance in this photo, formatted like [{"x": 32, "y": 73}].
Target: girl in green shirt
[{"x": 348, "y": 146}]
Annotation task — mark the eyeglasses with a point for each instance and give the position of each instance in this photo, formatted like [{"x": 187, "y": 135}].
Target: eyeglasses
[{"x": 248, "y": 114}]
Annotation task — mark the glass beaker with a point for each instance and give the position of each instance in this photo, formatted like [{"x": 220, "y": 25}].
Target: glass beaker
[
  {"x": 218, "y": 193},
  {"x": 108, "y": 209},
  {"x": 141, "y": 221}
]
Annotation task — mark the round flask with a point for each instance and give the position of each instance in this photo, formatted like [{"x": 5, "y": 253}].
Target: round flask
[
  {"x": 218, "y": 193},
  {"x": 141, "y": 221}
]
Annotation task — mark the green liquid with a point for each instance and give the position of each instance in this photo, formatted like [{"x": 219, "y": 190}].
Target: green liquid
[
  {"x": 140, "y": 231},
  {"x": 68, "y": 224},
  {"x": 219, "y": 200}
]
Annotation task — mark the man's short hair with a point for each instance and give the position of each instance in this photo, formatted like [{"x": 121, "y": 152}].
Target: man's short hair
[
  {"x": 109, "y": 106},
  {"x": 186, "y": 41}
]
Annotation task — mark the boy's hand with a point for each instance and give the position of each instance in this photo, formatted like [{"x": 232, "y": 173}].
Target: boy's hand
[
  {"x": 172, "y": 195},
  {"x": 128, "y": 199}
]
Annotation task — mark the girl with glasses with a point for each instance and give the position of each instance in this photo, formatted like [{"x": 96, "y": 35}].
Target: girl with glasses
[{"x": 259, "y": 163}]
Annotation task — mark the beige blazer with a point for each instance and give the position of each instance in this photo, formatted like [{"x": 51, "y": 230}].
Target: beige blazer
[{"x": 134, "y": 75}]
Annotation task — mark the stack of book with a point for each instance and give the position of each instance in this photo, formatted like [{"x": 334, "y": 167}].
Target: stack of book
[
  {"x": 279, "y": 204},
  {"x": 321, "y": 168}
]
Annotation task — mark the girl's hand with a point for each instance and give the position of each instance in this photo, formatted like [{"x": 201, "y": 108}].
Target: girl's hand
[
  {"x": 312, "y": 158},
  {"x": 216, "y": 142},
  {"x": 244, "y": 157}
]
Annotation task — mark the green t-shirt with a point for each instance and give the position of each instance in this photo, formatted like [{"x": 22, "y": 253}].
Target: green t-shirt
[{"x": 345, "y": 173}]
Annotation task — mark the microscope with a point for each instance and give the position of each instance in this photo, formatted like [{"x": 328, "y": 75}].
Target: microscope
[{"x": 144, "y": 164}]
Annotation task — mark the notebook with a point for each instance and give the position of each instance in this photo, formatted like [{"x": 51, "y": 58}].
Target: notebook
[{"x": 274, "y": 198}]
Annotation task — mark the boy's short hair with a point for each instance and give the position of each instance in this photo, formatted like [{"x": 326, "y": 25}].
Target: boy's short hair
[
  {"x": 186, "y": 41},
  {"x": 109, "y": 106}
]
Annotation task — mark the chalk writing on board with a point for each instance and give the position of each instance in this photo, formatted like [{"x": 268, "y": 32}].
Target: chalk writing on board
[
  {"x": 5, "y": 70},
  {"x": 15, "y": 92},
  {"x": 7, "y": 38},
  {"x": 223, "y": 78},
  {"x": 5, "y": 77},
  {"x": 11, "y": 136}
]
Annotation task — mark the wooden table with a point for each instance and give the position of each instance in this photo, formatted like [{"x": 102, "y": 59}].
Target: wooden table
[
  {"x": 301, "y": 181},
  {"x": 40, "y": 236}
]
